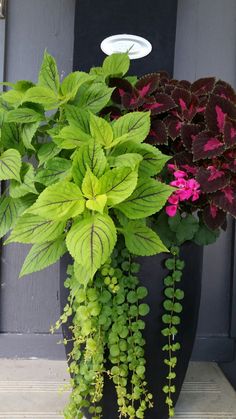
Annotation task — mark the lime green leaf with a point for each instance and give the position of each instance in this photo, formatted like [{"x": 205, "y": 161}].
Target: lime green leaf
[
  {"x": 91, "y": 241},
  {"x": 23, "y": 115},
  {"x": 82, "y": 276},
  {"x": 55, "y": 170},
  {"x": 94, "y": 97},
  {"x": 70, "y": 137},
  {"x": 42, "y": 255},
  {"x": 26, "y": 185},
  {"x": 27, "y": 134},
  {"x": 135, "y": 126},
  {"x": 10, "y": 164},
  {"x": 125, "y": 160},
  {"x": 141, "y": 240},
  {"x": 148, "y": 198},
  {"x": 47, "y": 151},
  {"x": 31, "y": 228},
  {"x": 9, "y": 211},
  {"x": 13, "y": 97},
  {"x": 59, "y": 201},
  {"x": 89, "y": 155},
  {"x": 90, "y": 185},
  {"x": 72, "y": 83},
  {"x": 116, "y": 64},
  {"x": 10, "y": 136},
  {"x": 48, "y": 74},
  {"x": 101, "y": 130},
  {"x": 118, "y": 184},
  {"x": 42, "y": 95},
  {"x": 97, "y": 203},
  {"x": 78, "y": 117}
]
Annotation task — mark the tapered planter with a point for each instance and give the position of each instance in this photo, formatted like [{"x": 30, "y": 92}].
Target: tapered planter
[{"x": 151, "y": 275}]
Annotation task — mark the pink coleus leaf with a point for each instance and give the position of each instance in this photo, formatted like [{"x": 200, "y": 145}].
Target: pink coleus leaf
[
  {"x": 148, "y": 84},
  {"x": 218, "y": 109},
  {"x": 226, "y": 199},
  {"x": 188, "y": 134},
  {"x": 162, "y": 103},
  {"x": 203, "y": 86},
  {"x": 187, "y": 103},
  {"x": 212, "y": 179},
  {"x": 213, "y": 216},
  {"x": 230, "y": 132},
  {"x": 158, "y": 133},
  {"x": 224, "y": 90},
  {"x": 207, "y": 145}
]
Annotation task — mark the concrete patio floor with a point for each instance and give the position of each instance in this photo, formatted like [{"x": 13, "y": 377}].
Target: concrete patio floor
[{"x": 30, "y": 389}]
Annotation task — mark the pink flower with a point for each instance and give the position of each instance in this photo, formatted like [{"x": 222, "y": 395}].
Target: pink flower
[
  {"x": 173, "y": 199},
  {"x": 179, "y": 174},
  {"x": 179, "y": 183},
  {"x": 171, "y": 167},
  {"x": 171, "y": 210}
]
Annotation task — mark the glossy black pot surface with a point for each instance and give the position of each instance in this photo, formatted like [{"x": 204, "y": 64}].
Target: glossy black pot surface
[{"x": 151, "y": 275}]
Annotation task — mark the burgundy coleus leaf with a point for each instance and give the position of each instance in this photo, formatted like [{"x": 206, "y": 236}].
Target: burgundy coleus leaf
[
  {"x": 182, "y": 159},
  {"x": 207, "y": 145},
  {"x": 185, "y": 84},
  {"x": 218, "y": 110},
  {"x": 132, "y": 101},
  {"x": 122, "y": 87},
  {"x": 148, "y": 84},
  {"x": 224, "y": 90},
  {"x": 114, "y": 112},
  {"x": 213, "y": 216},
  {"x": 186, "y": 102},
  {"x": 173, "y": 126},
  {"x": 230, "y": 132},
  {"x": 189, "y": 133},
  {"x": 158, "y": 133},
  {"x": 226, "y": 199},
  {"x": 203, "y": 86},
  {"x": 161, "y": 104},
  {"x": 231, "y": 166},
  {"x": 211, "y": 179}
]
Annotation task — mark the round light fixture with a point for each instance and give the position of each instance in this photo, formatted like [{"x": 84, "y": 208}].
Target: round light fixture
[{"x": 135, "y": 46}]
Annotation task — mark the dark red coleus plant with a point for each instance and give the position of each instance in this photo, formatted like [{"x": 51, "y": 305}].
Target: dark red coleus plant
[{"x": 196, "y": 124}]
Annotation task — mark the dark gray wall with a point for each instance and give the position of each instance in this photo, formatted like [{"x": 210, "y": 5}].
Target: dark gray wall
[
  {"x": 152, "y": 19},
  {"x": 30, "y": 305},
  {"x": 206, "y": 45}
]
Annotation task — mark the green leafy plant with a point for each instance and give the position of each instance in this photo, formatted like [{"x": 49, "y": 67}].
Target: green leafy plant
[{"x": 78, "y": 182}]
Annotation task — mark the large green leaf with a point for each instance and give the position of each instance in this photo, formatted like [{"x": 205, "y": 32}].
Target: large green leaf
[
  {"x": 91, "y": 241},
  {"x": 116, "y": 64},
  {"x": 10, "y": 164},
  {"x": 89, "y": 155},
  {"x": 55, "y": 170},
  {"x": 42, "y": 255},
  {"x": 148, "y": 198},
  {"x": 72, "y": 83},
  {"x": 142, "y": 240},
  {"x": 78, "y": 117},
  {"x": 26, "y": 185},
  {"x": 133, "y": 126},
  {"x": 47, "y": 151},
  {"x": 71, "y": 137},
  {"x": 42, "y": 95},
  {"x": 31, "y": 228},
  {"x": 9, "y": 211},
  {"x": 94, "y": 97},
  {"x": 23, "y": 115},
  {"x": 13, "y": 97},
  {"x": 101, "y": 130},
  {"x": 118, "y": 184},
  {"x": 153, "y": 160},
  {"x": 10, "y": 136},
  {"x": 27, "y": 134},
  {"x": 48, "y": 74},
  {"x": 131, "y": 160},
  {"x": 59, "y": 201},
  {"x": 90, "y": 185}
]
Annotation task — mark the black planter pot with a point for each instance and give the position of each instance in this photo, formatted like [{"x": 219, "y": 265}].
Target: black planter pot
[{"x": 151, "y": 275}]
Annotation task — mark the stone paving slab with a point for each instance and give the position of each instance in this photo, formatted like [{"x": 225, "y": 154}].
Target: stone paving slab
[{"x": 32, "y": 389}]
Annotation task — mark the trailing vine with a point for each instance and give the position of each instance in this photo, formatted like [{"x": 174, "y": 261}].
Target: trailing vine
[
  {"x": 107, "y": 316},
  {"x": 171, "y": 319}
]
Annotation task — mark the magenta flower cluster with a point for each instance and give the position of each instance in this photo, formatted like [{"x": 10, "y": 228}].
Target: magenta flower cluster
[{"x": 187, "y": 189}]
